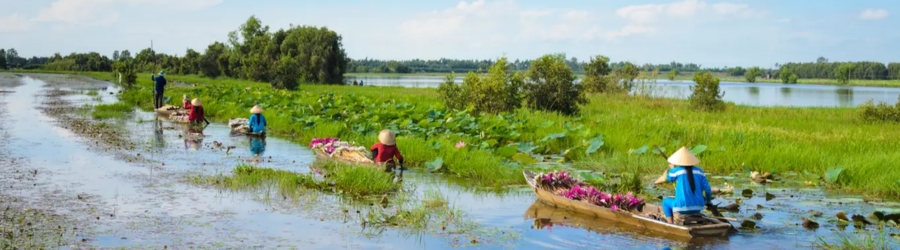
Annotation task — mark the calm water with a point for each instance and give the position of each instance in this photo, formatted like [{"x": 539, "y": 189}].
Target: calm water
[{"x": 759, "y": 94}]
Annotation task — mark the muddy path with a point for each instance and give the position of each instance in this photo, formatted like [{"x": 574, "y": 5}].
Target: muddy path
[{"x": 126, "y": 183}]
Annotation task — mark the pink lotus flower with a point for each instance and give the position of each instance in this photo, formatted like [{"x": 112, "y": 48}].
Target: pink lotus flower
[
  {"x": 614, "y": 207},
  {"x": 460, "y": 144}
]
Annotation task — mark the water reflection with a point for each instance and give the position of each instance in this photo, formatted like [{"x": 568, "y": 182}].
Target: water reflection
[
  {"x": 754, "y": 94},
  {"x": 193, "y": 136},
  {"x": 257, "y": 145},
  {"x": 159, "y": 135},
  {"x": 844, "y": 96}
]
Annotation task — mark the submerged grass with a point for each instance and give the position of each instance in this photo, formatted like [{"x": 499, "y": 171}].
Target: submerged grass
[
  {"x": 864, "y": 240},
  {"x": 108, "y": 111},
  {"x": 347, "y": 179},
  {"x": 739, "y": 138}
]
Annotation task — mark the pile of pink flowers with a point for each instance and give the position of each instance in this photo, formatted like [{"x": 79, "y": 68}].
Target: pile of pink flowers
[
  {"x": 572, "y": 188},
  {"x": 327, "y": 142}
]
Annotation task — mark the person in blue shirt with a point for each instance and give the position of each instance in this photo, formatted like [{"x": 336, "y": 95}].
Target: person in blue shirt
[
  {"x": 257, "y": 121},
  {"x": 158, "y": 91},
  {"x": 692, "y": 190}
]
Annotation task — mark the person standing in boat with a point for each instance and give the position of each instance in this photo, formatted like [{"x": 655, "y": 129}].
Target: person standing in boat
[
  {"x": 257, "y": 122},
  {"x": 160, "y": 82},
  {"x": 692, "y": 190},
  {"x": 385, "y": 150}
]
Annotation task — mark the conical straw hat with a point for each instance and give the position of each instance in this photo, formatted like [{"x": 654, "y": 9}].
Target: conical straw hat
[
  {"x": 386, "y": 137},
  {"x": 256, "y": 110},
  {"x": 196, "y": 102},
  {"x": 683, "y": 157}
]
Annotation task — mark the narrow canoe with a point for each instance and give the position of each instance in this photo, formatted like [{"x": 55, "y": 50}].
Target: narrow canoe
[
  {"x": 640, "y": 220},
  {"x": 168, "y": 110},
  {"x": 346, "y": 158}
]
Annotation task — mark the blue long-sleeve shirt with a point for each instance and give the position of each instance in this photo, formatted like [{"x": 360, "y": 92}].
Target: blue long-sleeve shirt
[
  {"x": 160, "y": 82},
  {"x": 685, "y": 199},
  {"x": 257, "y": 123}
]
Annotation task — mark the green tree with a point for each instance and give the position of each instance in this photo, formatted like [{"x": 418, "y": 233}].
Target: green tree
[
  {"x": 214, "y": 61},
  {"x": 3, "y": 59},
  {"x": 787, "y": 75},
  {"x": 672, "y": 74},
  {"x": 627, "y": 73},
  {"x": 287, "y": 74},
  {"x": 843, "y": 72},
  {"x": 551, "y": 86},
  {"x": 752, "y": 74},
  {"x": 705, "y": 94},
  {"x": 596, "y": 75},
  {"x": 128, "y": 70}
]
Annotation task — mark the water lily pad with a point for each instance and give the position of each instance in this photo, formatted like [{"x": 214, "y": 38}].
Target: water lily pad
[
  {"x": 527, "y": 147},
  {"x": 747, "y": 193},
  {"x": 832, "y": 175},
  {"x": 524, "y": 158},
  {"x": 696, "y": 150},
  {"x": 595, "y": 144},
  {"x": 641, "y": 150},
  {"x": 434, "y": 165},
  {"x": 554, "y": 136},
  {"x": 655, "y": 151},
  {"x": 769, "y": 196},
  {"x": 507, "y": 151}
]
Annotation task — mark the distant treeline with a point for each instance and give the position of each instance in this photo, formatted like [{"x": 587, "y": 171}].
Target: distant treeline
[
  {"x": 445, "y": 65},
  {"x": 316, "y": 55}
]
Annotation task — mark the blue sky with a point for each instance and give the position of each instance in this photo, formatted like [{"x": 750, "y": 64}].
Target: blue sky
[{"x": 711, "y": 33}]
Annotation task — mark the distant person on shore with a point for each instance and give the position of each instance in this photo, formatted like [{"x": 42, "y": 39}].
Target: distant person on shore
[
  {"x": 160, "y": 81},
  {"x": 692, "y": 190},
  {"x": 355, "y": 83},
  {"x": 385, "y": 150},
  {"x": 257, "y": 122}
]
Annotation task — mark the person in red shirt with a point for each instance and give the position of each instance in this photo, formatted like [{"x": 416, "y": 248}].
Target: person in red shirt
[
  {"x": 196, "y": 115},
  {"x": 385, "y": 150},
  {"x": 186, "y": 102}
]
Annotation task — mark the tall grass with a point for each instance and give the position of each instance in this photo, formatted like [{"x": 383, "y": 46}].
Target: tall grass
[
  {"x": 764, "y": 138},
  {"x": 115, "y": 110}
]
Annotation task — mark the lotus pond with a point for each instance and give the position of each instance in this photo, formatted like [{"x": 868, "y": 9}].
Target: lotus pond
[{"x": 149, "y": 183}]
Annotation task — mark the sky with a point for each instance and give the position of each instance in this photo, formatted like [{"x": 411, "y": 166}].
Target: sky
[{"x": 710, "y": 33}]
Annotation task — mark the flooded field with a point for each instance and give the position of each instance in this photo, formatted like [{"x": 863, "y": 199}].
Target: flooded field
[
  {"x": 753, "y": 94},
  {"x": 130, "y": 182}
]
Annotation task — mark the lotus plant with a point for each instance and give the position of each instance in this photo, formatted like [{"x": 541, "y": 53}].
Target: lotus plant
[{"x": 557, "y": 180}]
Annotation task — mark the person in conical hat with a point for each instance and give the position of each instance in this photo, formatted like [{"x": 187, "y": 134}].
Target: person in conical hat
[
  {"x": 196, "y": 114},
  {"x": 257, "y": 122},
  {"x": 692, "y": 190},
  {"x": 186, "y": 102},
  {"x": 385, "y": 150}
]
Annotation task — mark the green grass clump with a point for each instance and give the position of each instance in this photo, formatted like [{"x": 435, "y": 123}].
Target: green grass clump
[
  {"x": 92, "y": 93},
  {"x": 864, "y": 240},
  {"x": 361, "y": 180},
  {"x": 108, "y": 111}
]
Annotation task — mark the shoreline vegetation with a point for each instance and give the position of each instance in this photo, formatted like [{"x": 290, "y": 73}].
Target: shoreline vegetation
[
  {"x": 682, "y": 76},
  {"x": 809, "y": 142}
]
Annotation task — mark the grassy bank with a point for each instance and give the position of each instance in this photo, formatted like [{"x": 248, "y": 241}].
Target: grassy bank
[{"x": 759, "y": 138}]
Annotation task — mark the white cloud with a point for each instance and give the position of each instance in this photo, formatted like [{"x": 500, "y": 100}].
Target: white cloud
[
  {"x": 646, "y": 18},
  {"x": 96, "y": 12},
  {"x": 13, "y": 23},
  {"x": 871, "y": 14},
  {"x": 178, "y": 4},
  {"x": 106, "y": 12},
  {"x": 482, "y": 23}
]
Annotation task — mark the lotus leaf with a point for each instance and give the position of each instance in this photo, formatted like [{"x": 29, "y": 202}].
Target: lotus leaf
[
  {"x": 434, "y": 165},
  {"x": 833, "y": 174}
]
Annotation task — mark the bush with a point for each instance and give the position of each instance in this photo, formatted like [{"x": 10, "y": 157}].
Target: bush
[
  {"x": 752, "y": 74},
  {"x": 672, "y": 74},
  {"x": 706, "y": 95},
  {"x": 128, "y": 71},
  {"x": 787, "y": 76},
  {"x": 597, "y": 78},
  {"x": 551, "y": 86},
  {"x": 626, "y": 74},
  {"x": 497, "y": 92},
  {"x": 881, "y": 111},
  {"x": 451, "y": 93}
]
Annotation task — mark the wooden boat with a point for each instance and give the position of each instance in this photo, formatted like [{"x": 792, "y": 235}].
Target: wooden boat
[
  {"x": 699, "y": 226},
  {"x": 350, "y": 157},
  {"x": 168, "y": 110}
]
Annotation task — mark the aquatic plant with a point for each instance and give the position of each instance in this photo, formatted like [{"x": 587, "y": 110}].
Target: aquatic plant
[{"x": 557, "y": 180}]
